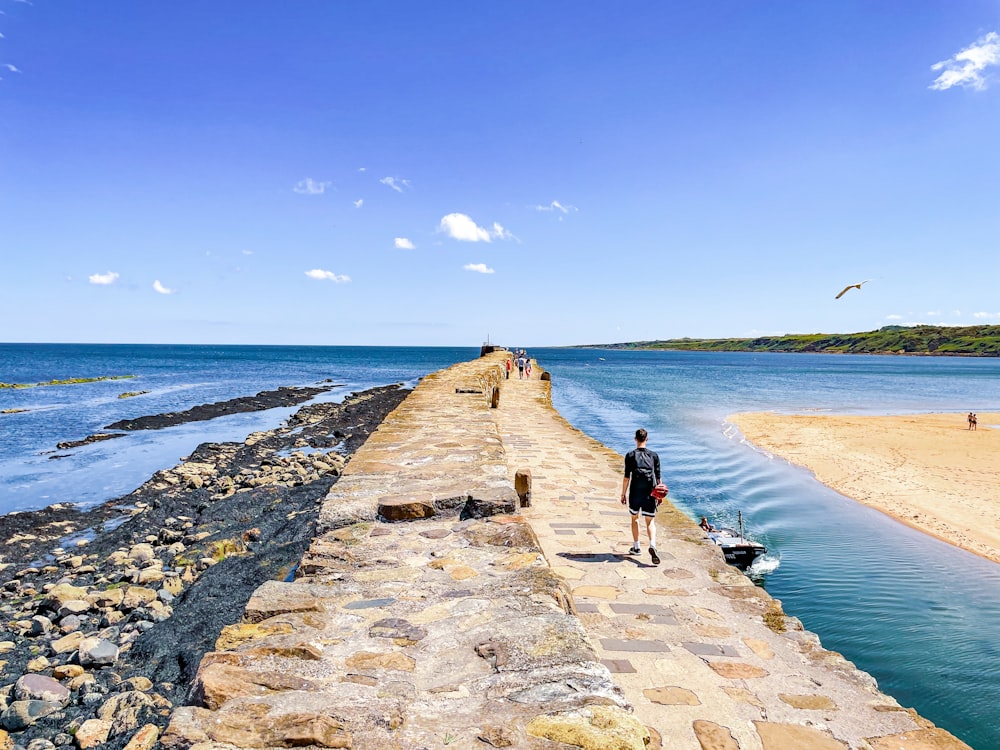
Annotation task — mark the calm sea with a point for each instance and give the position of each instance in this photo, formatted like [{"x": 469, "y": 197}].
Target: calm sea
[{"x": 917, "y": 614}]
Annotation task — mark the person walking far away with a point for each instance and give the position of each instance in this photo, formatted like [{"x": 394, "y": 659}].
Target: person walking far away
[
  {"x": 642, "y": 474},
  {"x": 974, "y": 422},
  {"x": 509, "y": 365}
]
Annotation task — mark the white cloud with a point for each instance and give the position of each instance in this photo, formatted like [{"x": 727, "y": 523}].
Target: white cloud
[
  {"x": 463, "y": 228},
  {"x": 404, "y": 244},
  {"x": 893, "y": 317},
  {"x": 986, "y": 315},
  {"x": 556, "y": 206},
  {"x": 11, "y": 68},
  {"x": 322, "y": 275},
  {"x": 396, "y": 183},
  {"x": 247, "y": 252},
  {"x": 933, "y": 313},
  {"x": 103, "y": 278},
  {"x": 359, "y": 202},
  {"x": 478, "y": 267},
  {"x": 362, "y": 169},
  {"x": 309, "y": 186},
  {"x": 162, "y": 289},
  {"x": 965, "y": 68}
]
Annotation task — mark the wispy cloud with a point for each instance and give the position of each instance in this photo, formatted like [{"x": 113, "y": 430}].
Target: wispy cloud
[
  {"x": 247, "y": 252},
  {"x": 404, "y": 244},
  {"x": 309, "y": 186},
  {"x": 396, "y": 183},
  {"x": 11, "y": 68},
  {"x": 966, "y": 67},
  {"x": 556, "y": 206},
  {"x": 893, "y": 317},
  {"x": 478, "y": 267},
  {"x": 986, "y": 315},
  {"x": 322, "y": 275},
  {"x": 359, "y": 202},
  {"x": 162, "y": 289},
  {"x": 103, "y": 278},
  {"x": 461, "y": 227},
  {"x": 933, "y": 313}
]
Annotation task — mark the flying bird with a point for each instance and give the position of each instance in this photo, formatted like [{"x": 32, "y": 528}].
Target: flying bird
[{"x": 850, "y": 286}]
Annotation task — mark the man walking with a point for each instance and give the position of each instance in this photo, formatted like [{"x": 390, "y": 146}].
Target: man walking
[{"x": 642, "y": 474}]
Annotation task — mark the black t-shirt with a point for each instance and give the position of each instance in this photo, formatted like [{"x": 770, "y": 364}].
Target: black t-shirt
[{"x": 640, "y": 486}]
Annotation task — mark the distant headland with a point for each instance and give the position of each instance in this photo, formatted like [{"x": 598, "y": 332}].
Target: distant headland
[{"x": 965, "y": 341}]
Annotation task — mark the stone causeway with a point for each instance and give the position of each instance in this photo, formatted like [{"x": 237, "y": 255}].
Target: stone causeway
[{"x": 470, "y": 586}]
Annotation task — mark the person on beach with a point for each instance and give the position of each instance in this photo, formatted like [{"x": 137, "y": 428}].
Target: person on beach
[
  {"x": 969, "y": 420},
  {"x": 973, "y": 422},
  {"x": 509, "y": 366},
  {"x": 642, "y": 474}
]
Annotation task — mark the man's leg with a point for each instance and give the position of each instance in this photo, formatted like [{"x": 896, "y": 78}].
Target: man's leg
[
  {"x": 651, "y": 532},
  {"x": 635, "y": 532}
]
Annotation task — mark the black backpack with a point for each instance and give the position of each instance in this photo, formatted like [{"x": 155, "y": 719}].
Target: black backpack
[{"x": 644, "y": 469}]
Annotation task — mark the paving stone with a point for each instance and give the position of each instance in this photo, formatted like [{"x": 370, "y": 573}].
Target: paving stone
[
  {"x": 369, "y": 603},
  {"x": 618, "y": 666},
  {"x": 809, "y": 702},
  {"x": 597, "y": 592},
  {"x": 672, "y": 696},
  {"x": 737, "y": 671},
  {"x": 634, "y": 609},
  {"x": 712, "y": 736},
  {"x": 710, "y": 649},
  {"x": 795, "y": 737},
  {"x": 617, "y": 644}
]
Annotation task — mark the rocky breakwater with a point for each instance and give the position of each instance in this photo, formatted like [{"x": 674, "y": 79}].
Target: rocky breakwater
[
  {"x": 422, "y": 615},
  {"x": 101, "y": 635}
]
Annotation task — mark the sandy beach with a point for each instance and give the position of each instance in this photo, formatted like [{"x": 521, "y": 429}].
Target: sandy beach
[{"x": 927, "y": 470}]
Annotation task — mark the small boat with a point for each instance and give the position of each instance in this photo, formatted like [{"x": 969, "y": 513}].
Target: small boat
[{"x": 738, "y": 550}]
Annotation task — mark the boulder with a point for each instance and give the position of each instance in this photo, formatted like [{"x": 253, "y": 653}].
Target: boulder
[
  {"x": 92, "y": 732},
  {"x": 37, "y": 687},
  {"x": 124, "y": 711},
  {"x": 95, "y": 651},
  {"x": 20, "y": 715}
]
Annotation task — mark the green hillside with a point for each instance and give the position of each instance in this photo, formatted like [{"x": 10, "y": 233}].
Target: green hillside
[{"x": 971, "y": 341}]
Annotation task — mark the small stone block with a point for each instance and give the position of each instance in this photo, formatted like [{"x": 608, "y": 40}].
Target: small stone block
[
  {"x": 710, "y": 649},
  {"x": 587, "y": 607},
  {"x": 369, "y": 603},
  {"x": 646, "y": 647},
  {"x": 638, "y": 609},
  {"x": 574, "y": 525},
  {"x": 564, "y": 532},
  {"x": 618, "y": 666}
]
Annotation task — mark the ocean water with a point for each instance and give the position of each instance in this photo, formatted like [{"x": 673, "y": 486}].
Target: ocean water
[
  {"x": 920, "y": 616},
  {"x": 177, "y": 378}
]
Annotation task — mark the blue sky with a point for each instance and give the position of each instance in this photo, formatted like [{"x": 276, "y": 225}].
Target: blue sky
[{"x": 399, "y": 173}]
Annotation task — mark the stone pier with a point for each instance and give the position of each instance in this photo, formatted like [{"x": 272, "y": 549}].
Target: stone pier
[{"x": 470, "y": 587}]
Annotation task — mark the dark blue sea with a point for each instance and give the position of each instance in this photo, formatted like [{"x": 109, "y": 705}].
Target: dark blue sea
[{"x": 919, "y": 615}]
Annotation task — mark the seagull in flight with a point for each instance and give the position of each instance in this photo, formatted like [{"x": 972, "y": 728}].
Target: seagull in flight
[{"x": 850, "y": 286}]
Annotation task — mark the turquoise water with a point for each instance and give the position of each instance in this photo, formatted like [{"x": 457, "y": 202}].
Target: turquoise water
[{"x": 917, "y": 614}]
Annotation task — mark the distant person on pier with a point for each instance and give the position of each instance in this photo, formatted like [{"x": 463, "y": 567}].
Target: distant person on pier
[
  {"x": 520, "y": 367},
  {"x": 509, "y": 366},
  {"x": 642, "y": 474},
  {"x": 706, "y": 525}
]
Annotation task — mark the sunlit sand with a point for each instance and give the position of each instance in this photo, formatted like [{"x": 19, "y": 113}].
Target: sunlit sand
[{"x": 927, "y": 470}]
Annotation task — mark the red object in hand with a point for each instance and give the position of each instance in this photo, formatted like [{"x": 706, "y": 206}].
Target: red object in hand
[{"x": 660, "y": 491}]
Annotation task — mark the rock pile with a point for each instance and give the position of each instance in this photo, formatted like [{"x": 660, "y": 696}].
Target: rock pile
[{"x": 100, "y": 636}]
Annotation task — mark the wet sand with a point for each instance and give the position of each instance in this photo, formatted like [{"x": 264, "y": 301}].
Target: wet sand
[{"x": 928, "y": 471}]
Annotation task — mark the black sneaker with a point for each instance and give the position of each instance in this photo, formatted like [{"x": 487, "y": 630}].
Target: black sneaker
[
  {"x": 635, "y": 549},
  {"x": 653, "y": 556}
]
